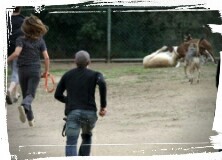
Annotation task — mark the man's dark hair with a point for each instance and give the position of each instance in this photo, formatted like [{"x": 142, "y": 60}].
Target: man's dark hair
[{"x": 82, "y": 58}]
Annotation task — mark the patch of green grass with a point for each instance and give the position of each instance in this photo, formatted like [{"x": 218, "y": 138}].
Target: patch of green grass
[
  {"x": 58, "y": 72},
  {"x": 129, "y": 70},
  {"x": 118, "y": 72},
  {"x": 140, "y": 74}
]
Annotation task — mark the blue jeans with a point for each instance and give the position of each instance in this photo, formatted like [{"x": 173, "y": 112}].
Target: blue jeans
[
  {"x": 77, "y": 120},
  {"x": 14, "y": 75}
]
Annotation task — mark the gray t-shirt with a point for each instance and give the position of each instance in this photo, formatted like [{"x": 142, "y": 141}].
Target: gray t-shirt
[{"x": 31, "y": 51}]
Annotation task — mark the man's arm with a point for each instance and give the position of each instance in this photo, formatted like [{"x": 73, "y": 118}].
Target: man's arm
[
  {"x": 102, "y": 91},
  {"x": 59, "y": 93}
]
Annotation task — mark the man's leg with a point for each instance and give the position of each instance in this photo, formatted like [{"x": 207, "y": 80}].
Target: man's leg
[
  {"x": 15, "y": 78},
  {"x": 85, "y": 147},
  {"x": 87, "y": 124},
  {"x": 9, "y": 96},
  {"x": 12, "y": 89},
  {"x": 71, "y": 146},
  {"x": 72, "y": 132}
]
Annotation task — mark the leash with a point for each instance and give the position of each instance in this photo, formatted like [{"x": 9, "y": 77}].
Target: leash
[
  {"x": 64, "y": 127},
  {"x": 47, "y": 77}
]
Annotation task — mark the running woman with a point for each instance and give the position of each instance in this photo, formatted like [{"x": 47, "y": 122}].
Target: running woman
[{"x": 28, "y": 50}]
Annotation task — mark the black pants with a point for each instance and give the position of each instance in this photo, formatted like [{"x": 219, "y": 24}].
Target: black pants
[{"x": 29, "y": 80}]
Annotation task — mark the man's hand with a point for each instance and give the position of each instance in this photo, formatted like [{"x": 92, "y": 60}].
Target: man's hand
[{"x": 102, "y": 112}]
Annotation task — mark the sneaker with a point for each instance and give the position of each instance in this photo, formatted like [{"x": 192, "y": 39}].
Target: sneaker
[
  {"x": 22, "y": 115},
  {"x": 31, "y": 123},
  {"x": 16, "y": 98},
  {"x": 9, "y": 98},
  {"x": 30, "y": 117}
]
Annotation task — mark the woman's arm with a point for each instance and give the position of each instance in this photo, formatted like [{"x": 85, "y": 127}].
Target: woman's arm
[{"x": 47, "y": 62}]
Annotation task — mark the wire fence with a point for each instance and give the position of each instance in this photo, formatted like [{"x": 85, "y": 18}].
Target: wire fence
[{"x": 110, "y": 34}]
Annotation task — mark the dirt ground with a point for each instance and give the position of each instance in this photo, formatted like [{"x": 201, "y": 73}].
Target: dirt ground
[{"x": 154, "y": 113}]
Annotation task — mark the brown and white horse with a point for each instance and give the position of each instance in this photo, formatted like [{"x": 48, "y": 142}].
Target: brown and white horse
[
  {"x": 171, "y": 56},
  {"x": 163, "y": 57},
  {"x": 204, "y": 47}
]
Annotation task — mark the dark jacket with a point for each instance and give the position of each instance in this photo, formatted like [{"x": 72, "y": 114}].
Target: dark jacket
[
  {"x": 14, "y": 31},
  {"x": 80, "y": 85}
]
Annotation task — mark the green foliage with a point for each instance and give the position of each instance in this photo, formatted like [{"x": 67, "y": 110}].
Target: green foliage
[{"x": 133, "y": 34}]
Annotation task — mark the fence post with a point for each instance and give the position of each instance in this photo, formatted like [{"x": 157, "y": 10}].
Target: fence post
[{"x": 108, "y": 34}]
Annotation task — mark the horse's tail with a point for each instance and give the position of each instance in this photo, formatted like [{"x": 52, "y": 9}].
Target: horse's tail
[
  {"x": 198, "y": 47},
  {"x": 207, "y": 50}
]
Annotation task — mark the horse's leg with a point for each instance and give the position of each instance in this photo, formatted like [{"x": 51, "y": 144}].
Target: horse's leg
[
  {"x": 198, "y": 77},
  {"x": 161, "y": 49},
  {"x": 185, "y": 70},
  {"x": 191, "y": 78},
  {"x": 191, "y": 72}
]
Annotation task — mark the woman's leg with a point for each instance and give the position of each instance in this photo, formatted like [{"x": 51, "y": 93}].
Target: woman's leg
[
  {"x": 23, "y": 80},
  {"x": 29, "y": 81},
  {"x": 33, "y": 82}
]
